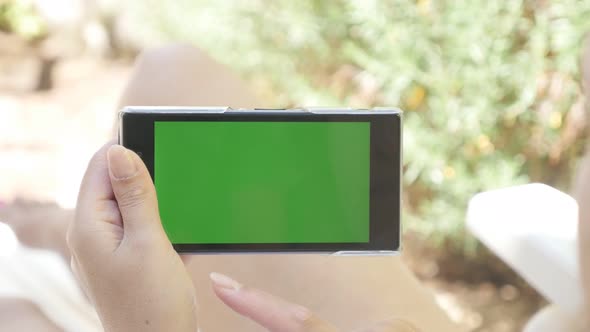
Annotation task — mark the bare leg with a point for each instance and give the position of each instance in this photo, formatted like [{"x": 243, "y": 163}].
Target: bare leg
[
  {"x": 40, "y": 225},
  {"x": 182, "y": 75},
  {"x": 351, "y": 291},
  {"x": 22, "y": 315}
]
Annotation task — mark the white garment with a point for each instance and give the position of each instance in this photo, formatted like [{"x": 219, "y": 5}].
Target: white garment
[{"x": 44, "y": 278}]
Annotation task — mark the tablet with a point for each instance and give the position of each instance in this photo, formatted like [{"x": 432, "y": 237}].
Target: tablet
[{"x": 262, "y": 180}]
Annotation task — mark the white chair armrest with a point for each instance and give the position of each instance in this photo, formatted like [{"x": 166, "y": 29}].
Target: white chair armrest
[{"x": 533, "y": 228}]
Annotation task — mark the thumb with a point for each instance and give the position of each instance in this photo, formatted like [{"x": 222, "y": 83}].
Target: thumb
[{"x": 134, "y": 191}]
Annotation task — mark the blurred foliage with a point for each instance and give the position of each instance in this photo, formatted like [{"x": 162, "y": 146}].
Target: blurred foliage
[
  {"x": 490, "y": 88},
  {"x": 21, "y": 17}
]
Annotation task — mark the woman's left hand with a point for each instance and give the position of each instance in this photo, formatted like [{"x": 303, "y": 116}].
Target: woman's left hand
[
  {"x": 278, "y": 315},
  {"x": 121, "y": 253}
]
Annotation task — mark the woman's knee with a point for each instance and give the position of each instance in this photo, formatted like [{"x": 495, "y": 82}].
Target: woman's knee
[{"x": 184, "y": 75}]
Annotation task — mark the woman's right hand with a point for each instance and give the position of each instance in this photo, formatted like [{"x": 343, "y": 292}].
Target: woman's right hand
[{"x": 278, "y": 315}]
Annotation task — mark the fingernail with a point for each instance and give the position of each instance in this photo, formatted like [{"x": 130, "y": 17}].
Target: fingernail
[
  {"x": 302, "y": 313},
  {"x": 224, "y": 281},
  {"x": 121, "y": 165}
]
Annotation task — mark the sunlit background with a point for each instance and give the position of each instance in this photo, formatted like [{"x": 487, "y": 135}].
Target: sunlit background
[{"x": 491, "y": 92}]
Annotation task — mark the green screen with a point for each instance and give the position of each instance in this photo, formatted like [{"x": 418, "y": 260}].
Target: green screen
[{"x": 263, "y": 182}]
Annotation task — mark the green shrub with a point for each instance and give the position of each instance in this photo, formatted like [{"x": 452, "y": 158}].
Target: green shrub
[
  {"x": 490, "y": 88},
  {"x": 20, "y": 17}
]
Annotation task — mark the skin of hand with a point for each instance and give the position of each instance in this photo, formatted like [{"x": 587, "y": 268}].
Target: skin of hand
[
  {"x": 278, "y": 315},
  {"x": 120, "y": 252}
]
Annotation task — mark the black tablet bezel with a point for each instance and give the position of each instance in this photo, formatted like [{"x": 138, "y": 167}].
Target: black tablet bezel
[{"x": 137, "y": 133}]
